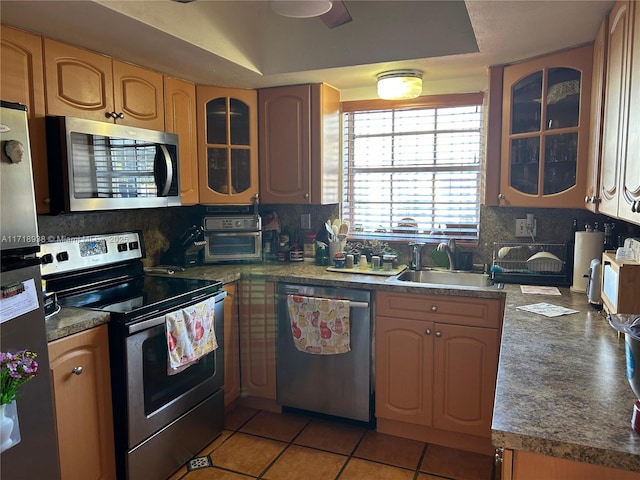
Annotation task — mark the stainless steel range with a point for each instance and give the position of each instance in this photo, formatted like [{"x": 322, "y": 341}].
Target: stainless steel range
[{"x": 160, "y": 420}]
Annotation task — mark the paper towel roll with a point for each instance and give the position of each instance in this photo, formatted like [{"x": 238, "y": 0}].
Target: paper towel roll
[{"x": 588, "y": 245}]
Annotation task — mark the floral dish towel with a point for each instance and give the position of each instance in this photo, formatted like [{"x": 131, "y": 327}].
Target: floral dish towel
[
  {"x": 319, "y": 325},
  {"x": 190, "y": 335}
]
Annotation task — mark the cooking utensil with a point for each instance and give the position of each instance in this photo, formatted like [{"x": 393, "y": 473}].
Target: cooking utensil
[
  {"x": 342, "y": 231},
  {"x": 327, "y": 225},
  {"x": 335, "y": 230}
]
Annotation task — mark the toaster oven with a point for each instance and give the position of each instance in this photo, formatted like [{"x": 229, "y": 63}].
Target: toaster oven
[{"x": 235, "y": 238}]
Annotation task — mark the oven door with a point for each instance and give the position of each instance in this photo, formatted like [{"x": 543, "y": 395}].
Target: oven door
[
  {"x": 154, "y": 398},
  {"x": 232, "y": 246}
]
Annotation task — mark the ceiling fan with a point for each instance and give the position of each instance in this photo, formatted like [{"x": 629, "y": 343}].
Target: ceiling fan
[{"x": 332, "y": 12}]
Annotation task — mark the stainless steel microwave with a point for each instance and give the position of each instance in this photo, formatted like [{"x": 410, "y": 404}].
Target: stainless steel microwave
[{"x": 103, "y": 166}]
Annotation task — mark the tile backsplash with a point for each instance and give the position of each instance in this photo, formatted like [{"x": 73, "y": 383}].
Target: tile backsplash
[{"x": 161, "y": 226}]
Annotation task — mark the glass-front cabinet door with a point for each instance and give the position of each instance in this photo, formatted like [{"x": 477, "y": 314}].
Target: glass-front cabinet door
[
  {"x": 545, "y": 130},
  {"x": 227, "y": 150}
]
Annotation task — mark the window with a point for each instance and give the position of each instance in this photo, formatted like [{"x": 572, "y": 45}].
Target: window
[{"x": 411, "y": 171}]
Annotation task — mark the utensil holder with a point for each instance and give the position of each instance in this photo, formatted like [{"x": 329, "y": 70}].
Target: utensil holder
[{"x": 336, "y": 246}]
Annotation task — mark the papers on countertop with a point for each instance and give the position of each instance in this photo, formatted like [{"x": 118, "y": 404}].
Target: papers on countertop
[
  {"x": 547, "y": 309},
  {"x": 540, "y": 290}
]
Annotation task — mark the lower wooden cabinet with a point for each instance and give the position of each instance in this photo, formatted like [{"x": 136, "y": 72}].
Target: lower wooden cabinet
[
  {"x": 520, "y": 465},
  {"x": 231, "y": 346},
  {"x": 82, "y": 396},
  {"x": 436, "y": 366},
  {"x": 258, "y": 315}
]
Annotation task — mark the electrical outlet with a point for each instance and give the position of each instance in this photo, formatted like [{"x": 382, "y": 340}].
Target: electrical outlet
[
  {"x": 521, "y": 228},
  {"x": 305, "y": 221}
]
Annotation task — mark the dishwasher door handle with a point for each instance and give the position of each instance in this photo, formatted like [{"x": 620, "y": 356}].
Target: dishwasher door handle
[
  {"x": 352, "y": 303},
  {"x": 358, "y": 304}
]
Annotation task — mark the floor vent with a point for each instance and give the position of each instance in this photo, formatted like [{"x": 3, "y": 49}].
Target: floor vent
[{"x": 199, "y": 462}]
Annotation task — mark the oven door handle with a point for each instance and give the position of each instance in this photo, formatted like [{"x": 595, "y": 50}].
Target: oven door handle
[{"x": 160, "y": 320}]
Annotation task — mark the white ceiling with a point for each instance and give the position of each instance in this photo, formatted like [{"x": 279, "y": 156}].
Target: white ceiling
[{"x": 243, "y": 44}]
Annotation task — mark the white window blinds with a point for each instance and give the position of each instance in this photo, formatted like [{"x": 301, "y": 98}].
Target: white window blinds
[{"x": 413, "y": 173}]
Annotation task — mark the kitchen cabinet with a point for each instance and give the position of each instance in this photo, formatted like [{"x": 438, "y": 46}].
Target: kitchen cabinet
[
  {"x": 618, "y": 186},
  {"x": 299, "y": 144},
  {"x": 84, "y": 84},
  {"x": 227, "y": 145},
  {"x": 22, "y": 81},
  {"x": 258, "y": 322},
  {"x": 180, "y": 118},
  {"x": 231, "y": 346},
  {"x": 436, "y": 366},
  {"x": 82, "y": 396},
  {"x": 598, "y": 79},
  {"x": 545, "y": 128},
  {"x": 521, "y": 465}
]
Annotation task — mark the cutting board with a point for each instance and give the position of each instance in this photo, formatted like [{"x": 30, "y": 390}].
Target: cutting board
[{"x": 368, "y": 271}]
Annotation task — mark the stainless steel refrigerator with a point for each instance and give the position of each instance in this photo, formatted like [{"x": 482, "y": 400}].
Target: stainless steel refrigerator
[{"x": 22, "y": 325}]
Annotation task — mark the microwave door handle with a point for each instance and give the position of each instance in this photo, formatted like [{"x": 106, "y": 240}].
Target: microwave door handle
[{"x": 169, "y": 169}]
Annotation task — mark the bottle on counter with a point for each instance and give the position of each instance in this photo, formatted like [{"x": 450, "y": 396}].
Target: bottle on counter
[
  {"x": 309, "y": 247},
  {"x": 322, "y": 254}
]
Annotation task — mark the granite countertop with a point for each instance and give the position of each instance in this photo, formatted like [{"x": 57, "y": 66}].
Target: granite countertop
[{"x": 562, "y": 388}]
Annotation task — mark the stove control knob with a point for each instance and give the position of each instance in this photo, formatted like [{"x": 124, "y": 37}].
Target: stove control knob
[
  {"x": 62, "y": 256},
  {"x": 46, "y": 258}
]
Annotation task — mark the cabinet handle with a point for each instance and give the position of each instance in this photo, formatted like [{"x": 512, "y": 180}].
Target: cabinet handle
[
  {"x": 588, "y": 199},
  {"x": 110, "y": 114},
  {"x": 438, "y": 334},
  {"x": 497, "y": 458},
  {"x": 634, "y": 209},
  {"x": 434, "y": 308},
  {"x": 77, "y": 370},
  {"x": 306, "y": 196},
  {"x": 119, "y": 115},
  {"x": 500, "y": 197},
  {"x": 427, "y": 331}
]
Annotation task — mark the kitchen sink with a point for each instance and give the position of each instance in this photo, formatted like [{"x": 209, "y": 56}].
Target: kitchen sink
[{"x": 445, "y": 277}]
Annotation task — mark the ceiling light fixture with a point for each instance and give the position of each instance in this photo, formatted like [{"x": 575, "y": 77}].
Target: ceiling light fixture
[
  {"x": 300, "y": 9},
  {"x": 400, "y": 84}
]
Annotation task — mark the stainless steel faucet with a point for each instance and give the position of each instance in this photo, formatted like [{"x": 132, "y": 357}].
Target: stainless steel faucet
[
  {"x": 450, "y": 248},
  {"x": 416, "y": 255}
]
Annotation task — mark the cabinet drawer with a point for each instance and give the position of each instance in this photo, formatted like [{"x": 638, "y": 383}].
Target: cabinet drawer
[{"x": 478, "y": 312}]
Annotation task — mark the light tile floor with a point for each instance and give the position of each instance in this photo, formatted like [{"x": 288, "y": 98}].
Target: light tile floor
[{"x": 290, "y": 446}]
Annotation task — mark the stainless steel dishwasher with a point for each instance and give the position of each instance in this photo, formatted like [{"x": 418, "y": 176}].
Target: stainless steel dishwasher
[{"x": 340, "y": 385}]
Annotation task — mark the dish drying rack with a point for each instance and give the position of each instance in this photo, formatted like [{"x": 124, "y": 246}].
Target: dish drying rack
[{"x": 511, "y": 264}]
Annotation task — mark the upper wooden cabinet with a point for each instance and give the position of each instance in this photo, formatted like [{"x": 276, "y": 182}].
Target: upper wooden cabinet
[
  {"x": 620, "y": 170},
  {"x": 598, "y": 82},
  {"x": 545, "y": 127},
  {"x": 299, "y": 144},
  {"x": 22, "y": 81},
  {"x": 80, "y": 83},
  {"x": 180, "y": 118},
  {"x": 227, "y": 145},
  {"x": 629, "y": 202}
]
